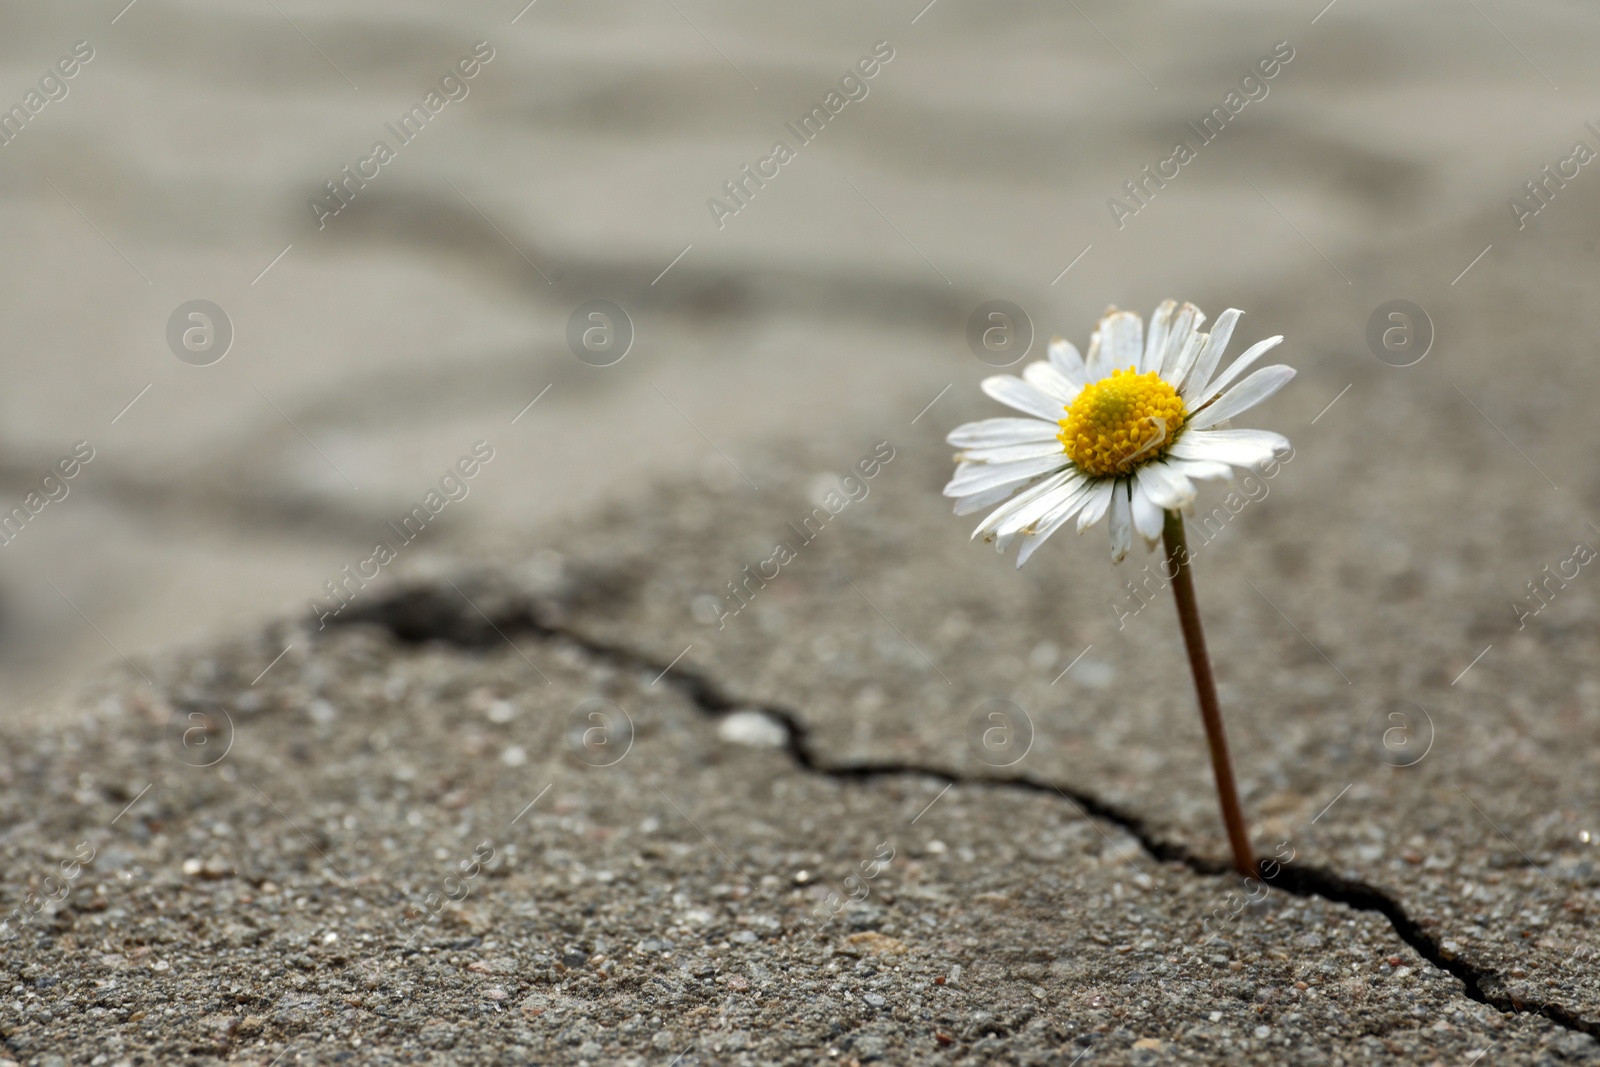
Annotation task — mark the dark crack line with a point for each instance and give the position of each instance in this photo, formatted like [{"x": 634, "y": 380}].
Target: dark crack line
[{"x": 419, "y": 614}]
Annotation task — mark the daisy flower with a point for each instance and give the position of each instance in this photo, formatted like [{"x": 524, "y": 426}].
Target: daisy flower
[{"x": 1123, "y": 435}]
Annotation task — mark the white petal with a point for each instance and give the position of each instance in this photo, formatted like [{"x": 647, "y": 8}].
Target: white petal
[
  {"x": 1184, "y": 324},
  {"x": 980, "y": 477},
  {"x": 1095, "y": 361},
  {"x": 1066, "y": 502},
  {"x": 1016, "y": 393},
  {"x": 978, "y": 501},
  {"x": 994, "y": 432},
  {"x": 1242, "y": 448},
  {"x": 1044, "y": 489},
  {"x": 1244, "y": 396},
  {"x": 1051, "y": 382},
  {"x": 1010, "y": 453},
  {"x": 1096, "y": 503},
  {"x": 1205, "y": 362},
  {"x": 1064, "y": 357},
  {"x": 1180, "y": 365},
  {"x": 1204, "y": 393},
  {"x": 1147, "y": 514},
  {"x": 1124, "y": 339},
  {"x": 1200, "y": 468},
  {"x": 1042, "y": 505},
  {"x": 1052, "y": 522},
  {"x": 1164, "y": 485},
  {"x": 1216, "y": 344},
  {"x": 1155, "y": 344},
  {"x": 1120, "y": 522}
]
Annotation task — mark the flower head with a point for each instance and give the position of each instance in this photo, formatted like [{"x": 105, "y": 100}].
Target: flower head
[{"x": 1124, "y": 434}]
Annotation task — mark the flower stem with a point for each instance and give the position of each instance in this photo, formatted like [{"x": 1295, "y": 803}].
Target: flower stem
[{"x": 1194, "y": 639}]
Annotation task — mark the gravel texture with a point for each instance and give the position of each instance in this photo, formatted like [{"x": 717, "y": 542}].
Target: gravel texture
[{"x": 644, "y": 878}]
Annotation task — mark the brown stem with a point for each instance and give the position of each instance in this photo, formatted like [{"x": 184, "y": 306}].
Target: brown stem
[{"x": 1194, "y": 639}]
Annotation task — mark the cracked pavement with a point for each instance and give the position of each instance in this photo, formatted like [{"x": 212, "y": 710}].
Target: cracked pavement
[{"x": 658, "y": 878}]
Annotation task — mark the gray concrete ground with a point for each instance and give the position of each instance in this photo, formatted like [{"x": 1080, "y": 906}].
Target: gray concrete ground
[
  {"x": 663, "y": 902},
  {"x": 645, "y": 855}
]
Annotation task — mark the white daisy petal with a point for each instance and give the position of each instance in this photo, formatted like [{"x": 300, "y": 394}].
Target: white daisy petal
[
  {"x": 1098, "y": 360},
  {"x": 1120, "y": 521},
  {"x": 1205, "y": 364},
  {"x": 1044, "y": 489},
  {"x": 1011, "y": 453},
  {"x": 1242, "y": 397},
  {"x": 1148, "y": 516},
  {"x": 1051, "y": 523},
  {"x": 1052, "y": 383},
  {"x": 980, "y": 477},
  {"x": 1181, "y": 364},
  {"x": 1040, "y": 506},
  {"x": 1124, "y": 339},
  {"x": 1204, "y": 469},
  {"x": 978, "y": 501},
  {"x": 1216, "y": 344},
  {"x": 1155, "y": 343},
  {"x": 1016, "y": 393},
  {"x": 1203, "y": 394},
  {"x": 992, "y": 433},
  {"x": 1241, "y": 448},
  {"x": 1165, "y": 485},
  {"x": 1185, "y": 323},
  {"x": 1065, "y": 358},
  {"x": 1096, "y": 503},
  {"x": 1068, "y": 499}
]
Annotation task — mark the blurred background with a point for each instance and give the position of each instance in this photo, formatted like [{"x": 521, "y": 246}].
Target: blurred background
[{"x": 359, "y": 355}]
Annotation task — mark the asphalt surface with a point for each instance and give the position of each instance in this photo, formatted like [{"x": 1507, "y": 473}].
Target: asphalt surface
[{"x": 786, "y": 845}]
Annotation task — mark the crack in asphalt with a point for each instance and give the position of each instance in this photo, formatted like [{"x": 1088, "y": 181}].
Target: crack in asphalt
[{"x": 417, "y": 614}]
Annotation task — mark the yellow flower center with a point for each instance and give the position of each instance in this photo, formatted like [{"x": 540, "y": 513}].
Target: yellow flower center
[{"x": 1120, "y": 422}]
